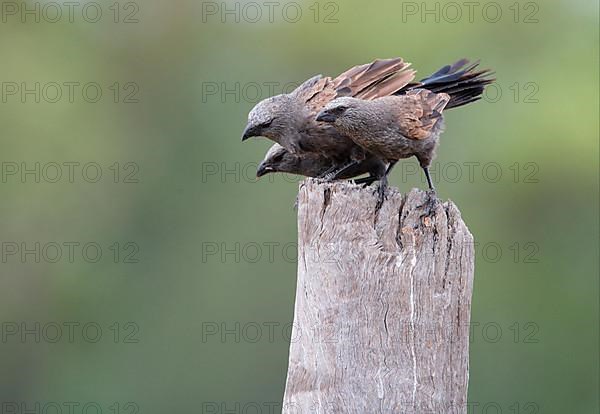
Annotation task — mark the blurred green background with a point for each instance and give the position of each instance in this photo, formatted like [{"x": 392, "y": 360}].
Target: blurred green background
[{"x": 196, "y": 254}]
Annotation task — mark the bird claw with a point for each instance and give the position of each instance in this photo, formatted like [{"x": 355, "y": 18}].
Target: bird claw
[
  {"x": 328, "y": 174},
  {"x": 431, "y": 202},
  {"x": 329, "y": 177},
  {"x": 381, "y": 195}
]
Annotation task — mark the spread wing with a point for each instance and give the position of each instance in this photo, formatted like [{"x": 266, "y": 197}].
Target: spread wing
[
  {"x": 419, "y": 112},
  {"x": 373, "y": 80},
  {"x": 382, "y": 77}
]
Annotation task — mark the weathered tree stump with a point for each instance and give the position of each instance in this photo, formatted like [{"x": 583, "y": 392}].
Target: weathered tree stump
[{"x": 383, "y": 302}]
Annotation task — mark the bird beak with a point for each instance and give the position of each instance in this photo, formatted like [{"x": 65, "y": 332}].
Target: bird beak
[
  {"x": 325, "y": 116},
  {"x": 263, "y": 169},
  {"x": 250, "y": 131}
]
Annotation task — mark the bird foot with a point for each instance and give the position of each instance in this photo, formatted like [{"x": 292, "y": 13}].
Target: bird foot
[
  {"x": 328, "y": 174},
  {"x": 431, "y": 202},
  {"x": 335, "y": 173},
  {"x": 329, "y": 177},
  {"x": 381, "y": 195}
]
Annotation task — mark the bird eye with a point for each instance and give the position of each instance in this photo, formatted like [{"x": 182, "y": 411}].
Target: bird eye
[
  {"x": 338, "y": 110},
  {"x": 266, "y": 124},
  {"x": 278, "y": 158}
]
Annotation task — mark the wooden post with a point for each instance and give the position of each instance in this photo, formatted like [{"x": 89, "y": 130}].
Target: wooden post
[{"x": 383, "y": 302}]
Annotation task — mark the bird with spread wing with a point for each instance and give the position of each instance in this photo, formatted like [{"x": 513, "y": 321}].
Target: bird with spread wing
[{"x": 310, "y": 144}]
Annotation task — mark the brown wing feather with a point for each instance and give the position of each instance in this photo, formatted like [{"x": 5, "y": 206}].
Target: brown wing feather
[
  {"x": 420, "y": 112},
  {"x": 381, "y": 77},
  {"x": 325, "y": 94},
  {"x": 389, "y": 85},
  {"x": 358, "y": 77},
  {"x": 309, "y": 88},
  {"x": 372, "y": 80},
  {"x": 315, "y": 92}
]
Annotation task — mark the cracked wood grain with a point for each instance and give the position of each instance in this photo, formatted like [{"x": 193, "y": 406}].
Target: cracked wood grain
[{"x": 383, "y": 303}]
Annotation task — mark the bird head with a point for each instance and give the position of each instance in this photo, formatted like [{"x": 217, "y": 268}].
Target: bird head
[
  {"x": 271, "y": 118},
  {"x": 278, "y": 159},
  {"x": 337, "y": 109}
]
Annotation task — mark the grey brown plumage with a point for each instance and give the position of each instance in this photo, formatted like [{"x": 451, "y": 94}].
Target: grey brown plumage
[
  {"x": 410, "y": 122},
  {"x": 391, "y": 127},
  {"x": 289, "y": 119},
  {"x": 292, "y": 119},
  {"x": 278, "y": 159}
]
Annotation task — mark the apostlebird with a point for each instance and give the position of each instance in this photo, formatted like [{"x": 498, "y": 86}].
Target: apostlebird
[
  {"x": 278, "y": 159},
  {"x": 393, "y": 127},
  {"x": 289, "y": 119}
]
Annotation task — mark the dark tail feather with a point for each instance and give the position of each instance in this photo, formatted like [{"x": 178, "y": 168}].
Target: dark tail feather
[{"x": 460, "y": 80}]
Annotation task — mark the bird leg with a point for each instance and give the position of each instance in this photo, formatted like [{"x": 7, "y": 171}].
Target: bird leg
[
  {"x": 426, "y": 171},
  {"x": 383, "y": 182},
  {"x": 381, "y": 192},
  {"x": 431, "y": 195}
]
